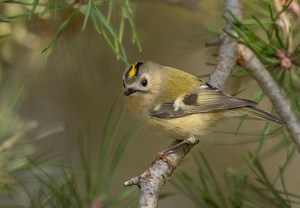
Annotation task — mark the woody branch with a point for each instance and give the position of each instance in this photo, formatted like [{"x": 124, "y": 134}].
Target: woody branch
[{"x": 153, "y": 179}]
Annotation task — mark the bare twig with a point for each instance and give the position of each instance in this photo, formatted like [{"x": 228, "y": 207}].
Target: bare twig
[
  {"x": 51, "y": 129},
  {"x": 228, "y": 51},
  {"x": 213, "y": 42},
  {"x": 253, "y": 65},
  {"x": 9, "y": 142},
  {"x": 284, "y": 23},
  {"x": 295, "y": 9},
  {"x": 154, "y": 178}
]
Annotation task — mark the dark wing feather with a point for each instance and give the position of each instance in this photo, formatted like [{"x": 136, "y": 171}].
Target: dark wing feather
[
  {"x": 167, "y": 110},
  {"x": 206, "y": 98}
]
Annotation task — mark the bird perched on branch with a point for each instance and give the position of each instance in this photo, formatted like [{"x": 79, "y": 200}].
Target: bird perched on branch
[{"x": 177, "y": 104}]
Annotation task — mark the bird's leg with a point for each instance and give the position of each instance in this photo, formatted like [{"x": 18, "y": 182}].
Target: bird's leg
[{"x": 189, "y": 141}]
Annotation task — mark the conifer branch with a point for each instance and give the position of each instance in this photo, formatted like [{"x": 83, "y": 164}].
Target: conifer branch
[
  {"x": 230, "y": 53},
  {"x": 153, "y": 179},
  {"x": 254, "y": 66}
]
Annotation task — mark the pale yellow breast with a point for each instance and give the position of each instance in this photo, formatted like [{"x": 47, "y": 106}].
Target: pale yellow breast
[{"x": 181, "y": 128}]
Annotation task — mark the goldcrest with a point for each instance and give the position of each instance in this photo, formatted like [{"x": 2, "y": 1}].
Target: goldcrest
[{"x": 177, "y": 104}]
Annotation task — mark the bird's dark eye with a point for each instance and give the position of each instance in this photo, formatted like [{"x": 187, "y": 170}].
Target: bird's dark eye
[
  {"x": 123, "y": 85},
  {"x": 144, "y": 82}
]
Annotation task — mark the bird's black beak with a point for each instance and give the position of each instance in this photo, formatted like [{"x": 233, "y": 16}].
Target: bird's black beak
[{"x": 129, "y": 91}]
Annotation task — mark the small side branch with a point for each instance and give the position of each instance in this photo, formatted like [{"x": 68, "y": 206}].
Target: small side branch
[
  {"x": 228, "y": 52},
  {"x": 154, "y": 178},
  {"x": 253, "y": 65},
  {"x": 9, "y": 142}
]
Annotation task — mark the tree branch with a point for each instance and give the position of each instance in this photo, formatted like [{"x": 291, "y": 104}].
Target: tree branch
[
  {"x": 231, "y": 53},
  {"x": 228, "y": 52},
  {"x": 9, "y": 142},
  {"x": 153, "y": 179},
  {"x": 253, "y": 65}
]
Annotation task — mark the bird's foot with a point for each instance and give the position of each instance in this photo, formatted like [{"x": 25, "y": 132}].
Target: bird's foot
[{"x": 189, "y": 141}]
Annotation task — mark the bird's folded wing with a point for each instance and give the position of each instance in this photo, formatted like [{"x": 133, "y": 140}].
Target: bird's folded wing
[{"x": 205, "y": 99}]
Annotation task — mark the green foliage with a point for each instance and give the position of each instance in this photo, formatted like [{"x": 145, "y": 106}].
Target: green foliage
[
  {"x": 60, "y": 186},
  {"x": 204, "y": 193},
  {"x": 274, "y": 44},
  {"x": 108, "y": 18},
  {"x": 279, "y": 198},
  {"x": 104, "y": 26},
  {"x": 265, "y": 46},
  {"x": 251, "y": 185},
  {"x": 240, "y": 189},
  {"x": 13, "y": 130},
  {"x": 87, "y": 185}
]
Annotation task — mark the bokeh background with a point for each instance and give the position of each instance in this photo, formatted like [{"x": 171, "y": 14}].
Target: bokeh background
[{"x": 72, "y": 90}]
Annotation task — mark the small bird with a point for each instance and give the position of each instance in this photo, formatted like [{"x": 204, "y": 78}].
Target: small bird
[{"x": 179, "y": 105}]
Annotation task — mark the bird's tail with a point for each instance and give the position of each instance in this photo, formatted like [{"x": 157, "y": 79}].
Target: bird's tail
[{"x": 258, "y": 113}]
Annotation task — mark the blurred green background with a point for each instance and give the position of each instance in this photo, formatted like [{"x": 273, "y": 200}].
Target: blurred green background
[{"x": 73, "y": 89}]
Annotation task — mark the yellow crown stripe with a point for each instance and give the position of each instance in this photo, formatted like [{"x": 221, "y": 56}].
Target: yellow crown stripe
[{"x": 132, "y": 71}]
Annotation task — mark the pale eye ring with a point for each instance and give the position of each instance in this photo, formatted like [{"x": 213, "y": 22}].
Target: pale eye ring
[{"x": 144, "y": 82}]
